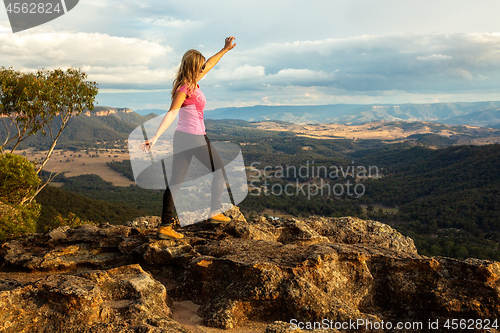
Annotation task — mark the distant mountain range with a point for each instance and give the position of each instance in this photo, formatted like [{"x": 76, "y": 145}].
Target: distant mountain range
[
  {"x": 109, "y": 124},
  {"x": 485, "y": 114},
  {"x": 102, "y": 124},
  {"x": 145, "y": 112}
]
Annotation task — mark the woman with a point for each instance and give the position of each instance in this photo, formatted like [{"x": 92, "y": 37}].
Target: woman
[{"x": 190, "y": 101}]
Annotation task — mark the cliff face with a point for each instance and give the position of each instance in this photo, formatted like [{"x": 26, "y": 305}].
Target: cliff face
[
  {"x": 122, "y": 278},
  {"x": 104, "y": 111}
]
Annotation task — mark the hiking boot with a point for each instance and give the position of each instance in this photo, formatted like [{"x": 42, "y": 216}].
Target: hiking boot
[
  {"x": 220, "y": 219},
  {"x": 168, "y": 233}
]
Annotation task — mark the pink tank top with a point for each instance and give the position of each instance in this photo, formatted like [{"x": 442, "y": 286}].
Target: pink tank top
[{"x": 191, "y": 112}]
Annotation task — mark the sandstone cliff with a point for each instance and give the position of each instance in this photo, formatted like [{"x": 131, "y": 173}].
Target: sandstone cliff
[
  {"x": 101, "y": 111},
  {"x": 112, "y": 278}
]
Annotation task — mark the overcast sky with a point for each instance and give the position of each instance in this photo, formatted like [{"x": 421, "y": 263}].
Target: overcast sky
[{"x": 288, "y": 52}]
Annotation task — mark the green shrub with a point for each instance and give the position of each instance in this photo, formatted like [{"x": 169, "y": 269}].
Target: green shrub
[
  {"x": 71, "y": 221},
  {"x": 18, "y": 180},
  {"x": 17, "y": 220}
]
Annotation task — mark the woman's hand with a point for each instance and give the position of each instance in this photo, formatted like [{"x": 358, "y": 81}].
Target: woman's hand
[
  {"x": 148, "y": 144},
  {"x": 229, "y": 43}
]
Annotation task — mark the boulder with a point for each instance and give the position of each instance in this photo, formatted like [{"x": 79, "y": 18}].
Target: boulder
[{"x": 123, "y": 299}]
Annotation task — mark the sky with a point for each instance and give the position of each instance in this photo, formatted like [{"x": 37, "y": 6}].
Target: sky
[{"x": 287, "y": 52}]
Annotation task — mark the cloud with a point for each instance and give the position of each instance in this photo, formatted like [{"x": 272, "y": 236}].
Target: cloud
[
  {"x": 439, "y": 63},
  {"x": 405, "y": 62},
  {"x": 109, "y": 60},
  {"x": 54, "y": 49},
  {"x": 363, "y": 68},
  {"x": 300, "y": 77},
  {"x": 304, "y": 56},
  {"x": 168, "y": 21},
  {"x": 130, "y": 77},
  {"x": 240, "y": 73},
  {"x": 433, "y": 57}
]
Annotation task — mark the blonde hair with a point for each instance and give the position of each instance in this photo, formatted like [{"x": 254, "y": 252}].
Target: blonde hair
[{"x": 191, "y": 64}]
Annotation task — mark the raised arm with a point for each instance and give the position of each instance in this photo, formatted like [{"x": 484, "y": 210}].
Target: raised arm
[
  {"x": 228, "y": 45},
  {"x": 179, "y": 98}
]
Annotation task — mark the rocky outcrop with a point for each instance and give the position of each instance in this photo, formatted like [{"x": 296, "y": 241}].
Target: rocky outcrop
[
  {"x": 123, "y": 299},
  {"x": 101, "y": 111},
  {"x": 121, "y": 278}
]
